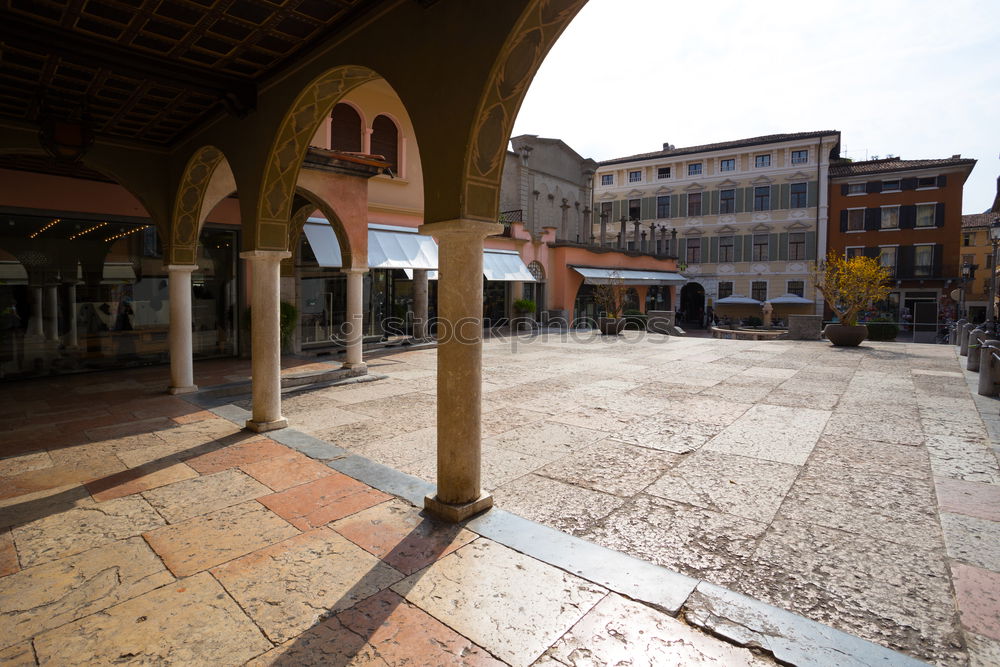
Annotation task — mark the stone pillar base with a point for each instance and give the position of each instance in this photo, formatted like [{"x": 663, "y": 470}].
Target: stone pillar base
[
  {"x": 183, "y": 390},
  {"x": 456, "y": 513},
  {"x": 264, "y": 427},
  {"x": 352, "y": 366}
]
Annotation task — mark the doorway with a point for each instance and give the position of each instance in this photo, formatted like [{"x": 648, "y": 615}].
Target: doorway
[{"x": 692, "y": 306}]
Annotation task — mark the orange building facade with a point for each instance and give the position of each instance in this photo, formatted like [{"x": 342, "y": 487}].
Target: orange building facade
[{"x": 908, "y": 215}]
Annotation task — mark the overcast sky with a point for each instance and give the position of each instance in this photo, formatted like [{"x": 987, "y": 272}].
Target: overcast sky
[{"x": 917, "y": 79}]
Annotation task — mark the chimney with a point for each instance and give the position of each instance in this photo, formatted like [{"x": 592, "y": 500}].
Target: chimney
[
  {"x": 668, "y": 146},
  {"x": 957, "y": 156}
]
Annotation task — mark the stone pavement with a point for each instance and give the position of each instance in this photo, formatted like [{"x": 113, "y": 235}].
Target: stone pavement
[
  {"x": 857, "y": 487},
  {"x": 137, "y": 528}
]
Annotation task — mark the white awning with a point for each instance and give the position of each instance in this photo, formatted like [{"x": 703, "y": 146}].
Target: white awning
[
  {"x": 792, "y": 300},
  {"x": 431, "y": 275},
  {"x": 593, "y": 276},
  {"x": 118, "y": 272},
  {"x": 12, "y": 273},
  {"x": 737, "y": 300},
  {"x": 388, "y": 247},
  {"x": 400, "y": 248},
  {"x": 324, "y": 243},
  {"x": 505, "y": 265}
]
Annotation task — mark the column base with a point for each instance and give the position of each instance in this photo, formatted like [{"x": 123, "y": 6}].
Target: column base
[
  {"x": 456, "y": 513},
  {"x": 350, "y": 366},
  {"x": 263, "y": 427},
  {"x": 183, "y": 390}
]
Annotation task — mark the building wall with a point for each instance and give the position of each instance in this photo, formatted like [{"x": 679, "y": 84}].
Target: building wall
[
  {"x": 975, "y": 248},
  {"x": 780, "y": 222}
]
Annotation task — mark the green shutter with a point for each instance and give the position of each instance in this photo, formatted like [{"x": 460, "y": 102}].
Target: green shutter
[
  {"x": 810, "y": 245},
  {"x": 684, "y": 206},
  {"x": 772, "y": 247},
  {"x": 675, "y": 206},
  {"x": 812, "y": 194},
  {"x": 749, "y": 196},
  {"x": 683, "y": 250},
  {"x": 776, "y": 197},
  {"x": 616, "y": 210},
  {"x": 783, "y": 245},
  {"x": 713, "y": 249},
  {"x": 737, "y": 249},
  {"x": 748, "y": 248},
  {"x": 714, "y": 196},
  {"x": 739, "y": 200},
  {"x": 648, "y": 208},
  {"x": 786, "y": 196}
]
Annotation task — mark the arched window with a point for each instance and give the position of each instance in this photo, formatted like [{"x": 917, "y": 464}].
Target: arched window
[
  {"x": 385, "y": 141},
  {"x": 345, "y": 129},
  {"x": 537, "y": 271}
]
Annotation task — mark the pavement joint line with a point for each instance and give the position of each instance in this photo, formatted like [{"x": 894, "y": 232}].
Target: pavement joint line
[{"x": 734, "y": 617}]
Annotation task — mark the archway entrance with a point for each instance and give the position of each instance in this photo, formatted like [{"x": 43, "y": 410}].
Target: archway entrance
[{"x": 692, "y": 306}]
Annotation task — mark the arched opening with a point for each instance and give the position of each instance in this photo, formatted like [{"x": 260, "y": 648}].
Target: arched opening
[
  {"x": 536, "y": 290},
  {"x": 346, "y": 129},
  {"x": 692, "y": 306},
  {"x": 385, "y": 141}
]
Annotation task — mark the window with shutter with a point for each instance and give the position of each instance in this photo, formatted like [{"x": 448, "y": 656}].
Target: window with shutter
[
  {"x": 345, "y": 129},
  {"x": 726, "y": 249},
  {"x": 762, "y": 198},
  {"x": 727, "y": 201},
  {"x": 797, "y": 245},
  {"x": 694, "y": 204},
  {"x": 925, "y": 215},
  {"x": 923, "y": 261},
  {"x": 663, "y": 207},
  {"x": 798, "y": 195},
  {"x": 385, "y": 141},
  {"x": 855, "y": 220},
  {"x": 760, "y": 245},
  {"x": 725, "y": 289}
]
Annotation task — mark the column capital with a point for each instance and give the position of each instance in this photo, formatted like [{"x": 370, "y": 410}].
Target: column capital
[
  {"x": 187, "y": 268},
  {"x": 461, "y": 226},
  {"x": 273, "y": 255}
]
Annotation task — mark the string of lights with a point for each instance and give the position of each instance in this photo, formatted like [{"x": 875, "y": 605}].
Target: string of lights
[
  {"x": 126, "y": 233},
  {"x": 52, "y": 223},
  {"x": 88, "y": 230}
]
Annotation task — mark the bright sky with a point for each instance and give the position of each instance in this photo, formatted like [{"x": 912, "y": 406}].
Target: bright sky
[{"x": 913, "y": 78}]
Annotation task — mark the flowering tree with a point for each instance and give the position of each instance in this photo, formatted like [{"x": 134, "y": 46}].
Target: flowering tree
[{"x": 851, "y": 284}]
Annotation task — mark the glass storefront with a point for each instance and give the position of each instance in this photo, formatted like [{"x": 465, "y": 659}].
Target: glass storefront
[
  {"x": 85, "y": 294},
  {"x": 387, "y": 301}
]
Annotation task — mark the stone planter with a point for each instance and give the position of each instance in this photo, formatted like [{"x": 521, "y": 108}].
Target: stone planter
[
  {"x": 845, "y": 335},
  {"x": 610, "y": 326}
]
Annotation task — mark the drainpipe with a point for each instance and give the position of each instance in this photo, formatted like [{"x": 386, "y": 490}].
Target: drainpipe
[{"x": 819, "y": 147}]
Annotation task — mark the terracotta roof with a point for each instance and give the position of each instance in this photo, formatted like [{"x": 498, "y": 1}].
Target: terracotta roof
[
  {"x": 890, "y": 164},
  {"x": 357, "y": 164},
  {"x": 723, "y": 145},
  {"x": 979, "y": 220}
]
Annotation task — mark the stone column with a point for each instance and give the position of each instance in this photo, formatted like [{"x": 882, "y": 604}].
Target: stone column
[
  {"x": 265, "y": 335},
  {"x": 459, "y": 372},
  {"x": 635, "y": 235},
  {"x": 604, "y": 229},
  {"x": 52, "y": 313},
  {"x": 180, "y": 337},
  {"x": 73, "y": 338},
  {"x": 420, "y": 289},
  {"x": 622, "y": 241},
  {"x": 35, "y": 328},
  {"x": 354, "y": 318}
]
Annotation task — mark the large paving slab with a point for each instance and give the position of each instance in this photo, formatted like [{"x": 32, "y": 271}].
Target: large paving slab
[{"x": 515, "y": 618}]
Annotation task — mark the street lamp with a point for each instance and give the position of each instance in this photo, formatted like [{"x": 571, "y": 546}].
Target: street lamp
[
  {"x": 994, "y": 242},
  {"x": 966, "y": 273}
]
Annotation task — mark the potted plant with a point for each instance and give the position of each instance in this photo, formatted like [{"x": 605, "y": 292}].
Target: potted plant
[
  {"x": 610, "y": 299},
  {"x": 849, "y": 285},
  {"x": 524, "y": 309}
]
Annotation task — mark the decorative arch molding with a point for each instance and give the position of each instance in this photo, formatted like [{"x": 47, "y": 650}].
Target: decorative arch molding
[
  {"x": 284, "y": 161},
  {"x": 302, "y": 208},
  {"x": 305, "y": 199},
  {"x": 536, "y": 31},
  {"x": 186, "y": 217}
]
